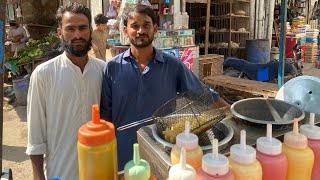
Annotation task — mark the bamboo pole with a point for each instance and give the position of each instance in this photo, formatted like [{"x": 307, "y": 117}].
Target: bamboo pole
[
  {"x": 270, "y": 20},
  {"x": 206, "y": 44},
  {"x": 252, "y": 19}
]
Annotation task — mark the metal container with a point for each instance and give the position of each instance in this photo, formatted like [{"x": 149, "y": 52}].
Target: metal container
[{"x": 256, "y": 111}]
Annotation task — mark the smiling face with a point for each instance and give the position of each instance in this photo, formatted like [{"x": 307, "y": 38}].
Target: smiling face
[
  {"x": 140, "y": 30},
  {"x": 75, "y": 34}
]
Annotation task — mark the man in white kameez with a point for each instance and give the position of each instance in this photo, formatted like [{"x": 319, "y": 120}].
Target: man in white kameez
[{"x": 61, "y": 93}]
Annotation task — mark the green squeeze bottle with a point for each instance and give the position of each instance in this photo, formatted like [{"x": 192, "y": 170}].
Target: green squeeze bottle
[{"x": 137, "y": 169}]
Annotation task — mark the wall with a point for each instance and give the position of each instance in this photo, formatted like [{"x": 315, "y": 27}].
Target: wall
[{"x": 39, "y": 12}]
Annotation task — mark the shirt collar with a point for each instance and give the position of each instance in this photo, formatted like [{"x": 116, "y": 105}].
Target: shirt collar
[{"x": 158, "y": 55}]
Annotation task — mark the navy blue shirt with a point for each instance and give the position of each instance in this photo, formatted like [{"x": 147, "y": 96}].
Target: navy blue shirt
[{"x": 129, "y": 95}]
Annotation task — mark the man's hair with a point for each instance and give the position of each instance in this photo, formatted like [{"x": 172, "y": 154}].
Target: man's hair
[
  {"x": 75, "y": 8},
  {"x": 13, "y": 22},
  {"x": 100, "y": 19},
  {"x": 141, "y": 9}
]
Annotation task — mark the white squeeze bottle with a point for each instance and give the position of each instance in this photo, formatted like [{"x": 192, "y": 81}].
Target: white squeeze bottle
[
  {"x": 215, "y": 166},
  {"x": 243, "y": 162},
  {"x": 189, "y": 141},
  {"x": 182, "y": 170}
]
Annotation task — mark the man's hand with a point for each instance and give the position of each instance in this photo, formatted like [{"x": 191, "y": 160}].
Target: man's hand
[{"x": 37, "y": 166}]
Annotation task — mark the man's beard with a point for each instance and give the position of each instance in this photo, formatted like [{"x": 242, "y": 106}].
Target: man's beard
[
  {"x": 141, "y": 44},
  {"x": 67, "y": 46}
]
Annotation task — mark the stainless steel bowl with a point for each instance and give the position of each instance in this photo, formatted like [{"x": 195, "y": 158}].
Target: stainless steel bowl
[
  {"x": 222, "y": 131},
  {"x": 257, "y": 111}
]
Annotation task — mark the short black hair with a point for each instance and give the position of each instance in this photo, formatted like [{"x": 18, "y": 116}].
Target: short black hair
[
  {"x": 13, "y": 22},
  {"x": 141, "y": 9},
  {"x": 100, "y": 19},
  {"x": 75, "y": 8}
]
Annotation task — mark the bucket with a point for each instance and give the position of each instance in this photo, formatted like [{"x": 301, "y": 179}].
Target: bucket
[
  {"x": 258, "y": 50},
  {"x": 20, "y": 87}
]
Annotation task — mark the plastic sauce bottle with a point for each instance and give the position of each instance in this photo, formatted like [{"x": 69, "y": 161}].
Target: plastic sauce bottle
[
  {"x": 97, "y": 149},
  {"x": 300, "y": 156},
  {"x": 137, "y": 169},
  {"x": 215, "y": 166},
  {"x": 193, "y": 151},
  {"x": 182, "y": 170},
  {"x": 243, "y": 162},
  {"x": 269, "y": 153},
  {"x": 313, "y": 134}
]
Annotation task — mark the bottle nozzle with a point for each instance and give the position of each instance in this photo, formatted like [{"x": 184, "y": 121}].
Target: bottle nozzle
[
  {"x": 312, "y": 117},
  {"x": 295, "y": 126},
  {"x": 243, "y": 139},
  {"x": 136, "y": 154},
  {"x": 215, "y": 148},
  {"x": 187, "y": 127},
  {"x": 183, "y": 161},
  {"x": 269, "y": 132},
  {"x": 95, "y": 114}
]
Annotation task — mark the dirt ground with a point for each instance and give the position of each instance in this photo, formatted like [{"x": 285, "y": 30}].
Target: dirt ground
[
  {"x": 14, "y": 142},
  {"x": 15, "y": 136}
]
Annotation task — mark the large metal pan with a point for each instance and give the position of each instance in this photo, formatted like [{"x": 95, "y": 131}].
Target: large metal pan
[{"x": 257, "y": 111}]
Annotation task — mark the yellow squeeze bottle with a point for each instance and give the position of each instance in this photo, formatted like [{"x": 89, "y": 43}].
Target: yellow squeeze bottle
[
  {"x": 300, "y": 156},
  {"x": 188, "y": 141},
  {"x": 97, "y": 149},
  {"x": 243, "y": 162}
]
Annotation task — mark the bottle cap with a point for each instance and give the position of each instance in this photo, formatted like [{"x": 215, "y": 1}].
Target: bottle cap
[
  {"x": 214, "y": 163},
  {"x": 137, "y": 168},
  {"x": 187, "y": 139},
  {"x": 294, "y": 139},
  {"x": 96, "y": 132},
  {"x": 269, "y": 145},
  {"x": 182, "y": 170},
  {"x": 310, "y": 130},
  {"x": 242, "y": 153}
]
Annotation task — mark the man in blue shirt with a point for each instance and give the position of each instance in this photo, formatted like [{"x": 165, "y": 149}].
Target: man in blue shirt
[{"x": 141, "y": 79}]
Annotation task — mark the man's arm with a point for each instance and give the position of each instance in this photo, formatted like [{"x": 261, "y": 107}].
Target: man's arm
[
  {"x": 106, "y": 97},
  {"x": 189, "y": 82},
  {"x": 37, "y": 166},
  {"x": 37, "y": 125}
]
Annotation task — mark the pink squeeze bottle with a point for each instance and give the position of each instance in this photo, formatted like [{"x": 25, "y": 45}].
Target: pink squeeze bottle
[
  {"x": 215, "y": 166},
  {"x": 269, "y": 153},
  {"x": 313, "y": 134}
]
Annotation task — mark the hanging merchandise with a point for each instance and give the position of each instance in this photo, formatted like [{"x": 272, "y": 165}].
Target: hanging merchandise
[{"x": 112, "y": 13}]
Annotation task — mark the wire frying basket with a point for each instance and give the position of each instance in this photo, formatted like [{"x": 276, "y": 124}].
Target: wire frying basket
[{"x": 195, "y": 107}]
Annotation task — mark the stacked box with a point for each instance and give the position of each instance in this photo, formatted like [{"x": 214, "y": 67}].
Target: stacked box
[{"x": 311, "y": 50}]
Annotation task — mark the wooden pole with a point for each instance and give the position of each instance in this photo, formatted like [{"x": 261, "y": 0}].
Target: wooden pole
[
  {"x": 206, "y": 43},
  {"x": 270, "y": 21},
  {"x": 252, "y": 19},
  {"x": 283, "y": 20},
  {"x": 2, "y": 36}
]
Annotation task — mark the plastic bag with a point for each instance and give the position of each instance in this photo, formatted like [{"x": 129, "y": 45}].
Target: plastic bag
[{"x": 112, "y": 13}]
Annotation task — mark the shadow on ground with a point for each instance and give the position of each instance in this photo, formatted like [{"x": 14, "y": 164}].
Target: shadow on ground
[
  {"x": 22, "y": 113},
  {"x": 14, "y": 153}
]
